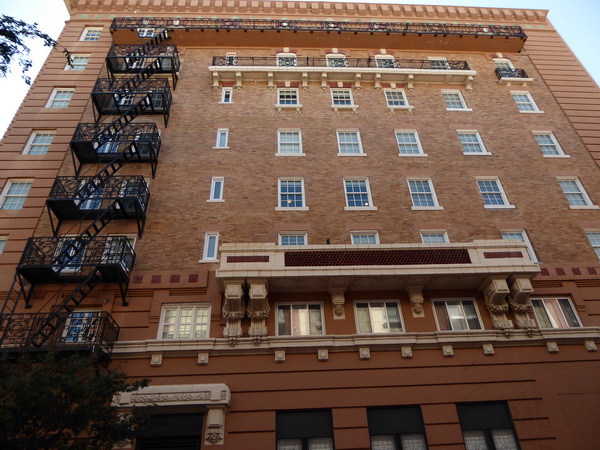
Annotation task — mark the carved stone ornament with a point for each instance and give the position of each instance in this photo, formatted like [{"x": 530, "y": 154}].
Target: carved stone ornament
[
  {"x": 495, "y": 291},
  {"x": 416, "y": 300},
  {"x": 520, "y": 290},
  {"x": 214, "y": 436},
  {"x": 258, "y": 310},
  {"x": 233, "y": 310}
]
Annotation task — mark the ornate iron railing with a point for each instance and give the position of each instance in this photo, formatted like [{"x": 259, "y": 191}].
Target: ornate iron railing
[
  {"x": 327, "y": 26},
  {"x": 132, "y": 132},
  {"x": 79, "y": 331},
  {"x": 124, "y": 86},
  {"x": 123, "y": 51},
  {"x": 511, "y": 73},
  {"x": 381, "y": 63},
  {"x": 123, "y": 58},
  {"x": 77, "y": 256}
]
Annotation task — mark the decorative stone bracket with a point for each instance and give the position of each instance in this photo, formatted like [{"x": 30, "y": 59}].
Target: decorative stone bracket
[
  {"x": 258, "y": 309},
  {"x": 416, "y": 300},
  {"x": 495, "y": 291},
  {"x": 520, "y": 290},
  {"x": 337, "y": 288},
  {"x": 233, "y": 310}
]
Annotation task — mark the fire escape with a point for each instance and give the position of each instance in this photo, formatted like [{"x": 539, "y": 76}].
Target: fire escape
[{"x": 81, "y": 262}]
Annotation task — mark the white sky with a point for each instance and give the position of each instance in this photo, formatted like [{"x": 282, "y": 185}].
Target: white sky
[{"x": 576, "y": 20}]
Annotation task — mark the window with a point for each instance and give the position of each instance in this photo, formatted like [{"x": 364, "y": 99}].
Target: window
[
  {"x": 304, "y": 430},
  {"x": 287, "y": 60},
  {"x": 434, "y": 237},
  {"x": 288, "y": 97},
  {"x": 378, "y": 317},
  {"x": 3, "y": 241},
  {"x": 81, "y": 327},
  {"x": 291, "y": 194},
  {"x": 594, "y": 238},
  {"x": 289, "y": 142},
  {"x": 39, "y": 143},
  {"x": 119, "y": 250},
  {"x": 70, "y": 252},
  {"x": 548, "y": 144},
  {"x": 293, "y": 239},
  {"x": 222, "y": 138},
  {"x": 454, "y": 100},
  {"x": 358, "y": 194},
  {"x": 125, "y": 99},
  {"x": 60, "y": 98},
  {"x": 189, "y": 321},
  {"x": 422, "y": 194},
  {"x": 227, "y": 95},
  {"x": 342, "y": 99},
  {"x": 336, "y": 60},
  {"x": 503, "y": 64},
  {"x": 456, "y": 315},
  {"x": 576, "y": 194},
  {"x": 145, "y": 32},
  {"x": 525, "y": 102},
  {"x": 520, "y": 235},
  {"x": 216, "y": 189},
  {"x": 349, "y": 143},
  {"x": 554, "y": 313},
  {"x": 177, "y": 431},
  {"x": 395, "y": 97},
  {"x": 487, "y": 426},
  {"x": 14, "y": 194},
  {"x": 90, "y": 193},
  {"x": 472, "y": 143},
  {"x": 396, "y": 428},
  {"x": 299, "y": 319},
  {"x": 409, "y": 143},
  {"x": 364, "y": 237},
  {"x": 91, "y": 34},
  {"x": 385, "y": 62},
  {"x": 492, "y": 193},
  {"x": 211, "y": 244},
  {"x": 78, "y": 62},
  {"x": 438, "y": 63}
]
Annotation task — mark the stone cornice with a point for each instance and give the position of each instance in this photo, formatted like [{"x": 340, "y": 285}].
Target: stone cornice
[{"x": 351, "y": 11}]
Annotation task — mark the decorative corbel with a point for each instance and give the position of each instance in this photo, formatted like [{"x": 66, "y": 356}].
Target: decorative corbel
[
  {"x": 337, "y": 287},
  {"x": 409, "y": 82},
  {"x": 215, "y": 79},
  {"x": 305, "y": 80},
  {"x": 238, "y": 80},
  {"x": 270, "y": 81},
  {"x": 469, "y": 84},
  {"x": 495, "y": 291},
  {"x": 357, "y": 79},
  {"x": 233, "y": 310},
  {"x": 415, "y": 293},
  {"x": 258, "y": 310},
  {"x": 520, "y": 290},
  {"x": 324, "y": 80},
  {"x": 215, "y": 425},
  {"x": 378, "y": 81}
]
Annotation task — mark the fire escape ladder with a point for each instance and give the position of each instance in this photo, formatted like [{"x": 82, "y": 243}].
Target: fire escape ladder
[{"x": 18, "y": 290}]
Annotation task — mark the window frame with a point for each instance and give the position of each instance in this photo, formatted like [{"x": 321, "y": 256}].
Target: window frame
[
  {"x": 213, "y": 183},
  {"x": 329, "y": 57},
  {"x": 279, "y": 105},
  {"x": 525, "y": 240},
  {"x": 285, "y": 56},
  {"x": 91, "y": 30},
  {"x": 224, "y": 96},
  {"x": 297, "y": 131},
  {"x": 370, "y": 207},
  {"x": 278, "y": 305},
  {"x": 484, "y": 421},
  {"x": 336, "y": 107},
  {"x": 280, "y": 193},
  {"x": 78, "y": 67},
  {"x": 394, "y": 423},
  {"x": 443, "y": 233},
  {"x": 385, "y": 303},
  {"x": 436, "y": 59},
  {"x": 4, "y": 194},
  {"x": 282, "y": 234},
  {"x": 222, "y": 132},
  {"x": 480, "y": 142},
  {"x": 560, "y": 153},
  {"x": 436, "y": 205},
  {"x": 385, "y": 57},
  {"x": 415, "y": 133},
  {"x": 593, "y": 242},
  {"x": 501, "y": 61},
  {"x": 389, "y": 102},
  {"x": 146, "y": 33},
  {"x": 505, "y": 202},
  {"x": 531, "y": 102},
  {"x": 356, "y": 132},
  {"x": 550, "y": 318},
  {"x": 589, "y": 204},
  {"x": 178, "y": 307},
  {"x": 208, "y": 236},
  {"x": 31, "y": 142},
  {"x": 300, "y": 429},
  {"x": 465, "y": 106},
  {"x": 358, "y": 233},
  {"x": 54, "y": 93},
  {"x": 464, "y": 317},
  {"x": 3, "y": 242}
]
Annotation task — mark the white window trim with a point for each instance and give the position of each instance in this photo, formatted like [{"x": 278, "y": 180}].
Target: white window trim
[
  {"x": 280, "y": 106},
  {"x": 213, "y": 181},
  {"x": 503, "y": 60},
  {"x": 526, "y": 241},
  {"x": 296, "y": 208},
  {"x": 3, "y": 242},
  {"x": 223, "y": 91},
  {"x": 289, "y": 130},
  {"x": 360, "y": 146},
  {"x": 561, "y": 152},
  {"x": 292, "y": 233},
  {"x": 589, "y": 203},
  {"x": 437, "y": 206},
  {"x": 146, "y": 33},
  {"x": 166, "y": 306},
  {"x": 364, "y": 232},
  {"x": 205, "y": 257},
  {"x": 596, "y": 248},
  {"x": 53, "y": 94},
  {"x": 73, "y": 56},
  {"x": 329, "y": 56},
  {"x": 34, "y": 134},
  {"x": 7, "y": 186},
  {"x": 85, "y": 32},
  {"x": 286, "y": 55},
  {"x": 483, "y": 151},
  {"x": 221, "y": 131},
  {"x": 356, "y": 323},
  {"x": 352, "y": 106},
  {"x": 542, "y": 298},
  {"x": 457, "y": 299},
  {"x": 393, "y": 108},
  {"x": 444, "y": 233},
  {"x": 385, "y": 57},
  {"x": 299, "y": 336},
  {"x": 420, "y": 147},
  {"x": 506, "y": 205},
  {"x": 462, "y": 98},
  {"x": 439, "y": 58},
  {"x": 536, "y": 109},
  {"x": 359, "y": 208}
]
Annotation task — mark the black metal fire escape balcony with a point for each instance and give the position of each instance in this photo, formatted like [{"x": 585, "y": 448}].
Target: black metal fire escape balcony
[
  {"x": 86, "y": 198},
  {"x": 82, "y": 332},
  {"x": 126, "y": 59}
]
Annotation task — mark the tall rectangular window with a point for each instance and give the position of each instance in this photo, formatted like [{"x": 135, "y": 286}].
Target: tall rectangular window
[
  {"x": 304, "y": 430},
  {"x": 222, "y": 138},
  {"x": 91, "y": 34},
  {"x": 293, "y": 239},
  {"x": 341, "y": 97},
  {"x": 189, "y": 321},
  {"x": 289, "y": 142},
  {"x": 454, "y": 100},
  {"x": 358, "y": 194},
  {"x": 299, "y": 319},
  {"x": 211, "y": 246},
  {"x": 555, "y": 313},
  {"x": 594, "y": 238},
  {"x": 422, "y": 194},
  {"x": 349, "y": 143},
  {"x": 396, "y": 98},
  {"x": 216, "y": 189},
  {"x": 291, "y": 194},
  {"x": 14, "y": 194},
  {"x": 548, "y": 144},
  {"x": 520, "y": 235},
  {"x": 78, "y": 62},
  {"x": 576, "y": 194},
  {"x": 492, "y": 193},
  {"x": 525, "y": 102},
  {"x": 487, "y": 426},
  {"x": 60, "y": 98},
  {"x": 456, "y": 315},
  {"x": 227, "y": 95},
  {"x": 472, "y": 143},
  {"x": 378, "y": 317},
  {"x": 396, "y": 428},
  {"x": 39, "y": 143},
  {"x": 288, "y": 97},
  {"x": 409, "y": 143}
]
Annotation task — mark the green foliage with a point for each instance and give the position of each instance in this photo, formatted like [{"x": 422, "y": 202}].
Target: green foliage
[
  {"x": 13, "y": 35},
  {"x": 61, "y": 403}
]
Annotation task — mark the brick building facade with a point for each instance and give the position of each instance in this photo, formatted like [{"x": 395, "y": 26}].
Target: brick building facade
[{"x": 314, "y": 225}]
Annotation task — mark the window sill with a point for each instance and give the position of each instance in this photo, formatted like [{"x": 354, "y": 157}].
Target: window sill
[
  {"x": 459, "y": 109},
  {"x": 393, "y": 109},
  {"x": 352, "y": 154},
  {"x": 531, "y": 112},
  {"x": 302, "y": 208},
  {"x": 208, "y": 261},
  {"x": 337, "y": 108},
  {"x": 427, "y": 208},
  {"x": 477, "y": 153},
  {"x": 360, "y": 208},
  {"x": 556, "y": 156},
  {"x": 215, "y": 201},
  {"x": 290, "y": 154},
  {"x": 279, "y": 108},
  {"x": 221, "y": 148},
  {"x": 584, "y": 207},
  {"x": 225, "y": 103},
  {"x": 499, "y": 206},
  {"x": 419, "y": 155}
]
